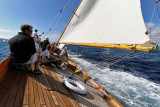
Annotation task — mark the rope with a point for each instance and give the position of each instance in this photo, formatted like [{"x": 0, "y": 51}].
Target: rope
[
  {"x": 56, "y": 16},
  {"x": 59, "y": 19},
  {"x": 57, "y": 91},
  {"x": 51, "y": 22},
  {"x": 125, "y": 57},
  {"x": 66, "y": 29},
  {"x": 111, "y": 64},
  {"x": 115, "y": 57},
  {"x": 151, "y": 20},
  {"x": 122, "y": 59},
  {"x": 53, "y": 26},
  {"x": 157, "y": 10},
  {"x": 108, "y": 58},
  {"x": 103, "y": 63}
]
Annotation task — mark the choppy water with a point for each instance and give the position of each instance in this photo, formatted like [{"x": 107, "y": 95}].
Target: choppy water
[
  {"x": 134, "y": 82},
  {"x": 4, "y": 50}
]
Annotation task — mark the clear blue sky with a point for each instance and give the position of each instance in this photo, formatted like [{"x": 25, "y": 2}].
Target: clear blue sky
[
  {"x": 39, "y": 13},
  {"x": 147, "y": 11}
]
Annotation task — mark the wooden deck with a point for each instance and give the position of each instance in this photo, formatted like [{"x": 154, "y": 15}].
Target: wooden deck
[{"x": 20, "y": 88}]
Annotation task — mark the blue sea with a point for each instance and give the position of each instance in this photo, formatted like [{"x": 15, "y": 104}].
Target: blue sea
[
  {"x": 4, "y": 50},
  {"x": 132, "y": 79}
]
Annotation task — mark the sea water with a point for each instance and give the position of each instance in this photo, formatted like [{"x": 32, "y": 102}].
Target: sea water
[
  {"x": 4, "y": 50},
  {"x": 133, "y": 81}
]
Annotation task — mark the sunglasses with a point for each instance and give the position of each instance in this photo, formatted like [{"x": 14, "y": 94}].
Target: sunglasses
[{"x": 30, "y": 31}]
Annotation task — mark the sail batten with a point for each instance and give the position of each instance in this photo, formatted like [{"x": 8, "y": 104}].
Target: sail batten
[{"x": 106, "y": 22}]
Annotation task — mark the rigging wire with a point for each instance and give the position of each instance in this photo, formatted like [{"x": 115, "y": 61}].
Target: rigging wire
[
  {"x": 118, "y": 56},
  {"x": 51, "y": 22},
  {"x": 151, "y": 19},
  {"x": 64, "y": 10},
  {"x": 158, "y": 11},
  {"x": 103, "y": 63},
  {"x": 155, "y": 7},
  {"x": 109, "y": 58},
  {"x": 67, "y": 31},
  {"x": 56, "y": 16},
  {"x": 156, "y": 1},
  {"x": 59, "y": 19},
  {"x": 53, "y": 26},
  {"x": 121, "y": 57},
  {"x": 114, "y": 63},
  {"x": 126, "y": 57}
]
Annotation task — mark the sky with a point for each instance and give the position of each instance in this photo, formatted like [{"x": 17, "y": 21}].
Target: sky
[
  {"x": 40, "y": 13},
  {"x": 151, "y": 20}
]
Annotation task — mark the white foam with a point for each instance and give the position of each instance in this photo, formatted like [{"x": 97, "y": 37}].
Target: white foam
[{"x": 129, "y": 89}]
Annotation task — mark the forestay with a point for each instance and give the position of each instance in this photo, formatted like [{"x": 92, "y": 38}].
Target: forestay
[{"x": 106, "y": 22}]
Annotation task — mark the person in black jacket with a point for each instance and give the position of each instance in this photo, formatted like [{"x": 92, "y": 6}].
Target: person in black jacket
[
  {"x": 44, "y": 44},
  {"x": 22, "y": 48}
]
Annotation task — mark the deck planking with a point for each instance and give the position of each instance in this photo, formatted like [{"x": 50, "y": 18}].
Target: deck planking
[
  {"x": 23, "y": 89},
  {"x": 92, "y": 99}
]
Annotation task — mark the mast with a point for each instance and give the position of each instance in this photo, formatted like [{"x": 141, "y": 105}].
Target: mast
[
  {"x": 108, "y": 24},
  {"x": 69, "y": 20}
]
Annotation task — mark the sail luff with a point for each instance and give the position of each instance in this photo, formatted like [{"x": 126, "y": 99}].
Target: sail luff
[{"x": 69, "y": 20}]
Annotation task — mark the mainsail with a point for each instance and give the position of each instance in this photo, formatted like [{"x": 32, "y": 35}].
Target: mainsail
[{"x": 108, "y": 24}]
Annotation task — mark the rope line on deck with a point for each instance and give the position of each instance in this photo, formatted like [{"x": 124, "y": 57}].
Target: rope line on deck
[{"x": 57, "y": 91}]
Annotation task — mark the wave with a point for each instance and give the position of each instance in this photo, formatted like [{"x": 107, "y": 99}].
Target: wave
[{"x": 129, "y": 88}]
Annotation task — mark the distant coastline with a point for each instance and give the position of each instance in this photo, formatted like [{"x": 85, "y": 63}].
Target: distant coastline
[{"x": 3, "y": 40}]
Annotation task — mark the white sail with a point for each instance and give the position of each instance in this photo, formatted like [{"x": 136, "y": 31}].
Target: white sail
[{"x": 107, "y": 21}]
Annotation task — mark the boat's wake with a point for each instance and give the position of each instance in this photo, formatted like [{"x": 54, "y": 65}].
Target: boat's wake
[{"x": 126, "y": 87}]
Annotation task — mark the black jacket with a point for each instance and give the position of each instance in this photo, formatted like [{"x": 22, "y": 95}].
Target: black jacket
[
  {"x": 22, "y": 47},
  {"x": 44, "y": 44}
]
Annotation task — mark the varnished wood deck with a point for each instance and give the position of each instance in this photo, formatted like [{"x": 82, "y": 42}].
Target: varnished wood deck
[{"x": 20, "y": 88}]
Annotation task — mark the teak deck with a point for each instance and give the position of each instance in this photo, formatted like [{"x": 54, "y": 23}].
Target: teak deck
[{"x": 19, "y": 88}]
